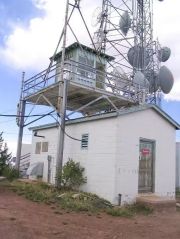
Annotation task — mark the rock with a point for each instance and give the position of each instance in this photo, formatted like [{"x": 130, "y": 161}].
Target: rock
[
  {"x": 61, "y": 195},
  {"x": 76, "y": 195}
]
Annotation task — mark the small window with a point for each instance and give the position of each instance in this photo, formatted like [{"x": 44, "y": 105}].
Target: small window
[
  {"x": 38, "y": 148},
  {"x": 44, "y": 146},
  {"x": 84, "y": 141}
]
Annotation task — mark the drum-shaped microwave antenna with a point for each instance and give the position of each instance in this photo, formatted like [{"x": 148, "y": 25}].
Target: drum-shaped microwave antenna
[
  {"x": 166, "y": 79},
  {"x": 164, "y": 54},
  {"x": 119, "y": 77},
  {"x": 125, "y": 23},
  {"x": 138, "y": 56},
  {"x": 140, "y": 80}
]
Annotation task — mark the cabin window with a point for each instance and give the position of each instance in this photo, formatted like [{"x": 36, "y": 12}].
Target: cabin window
[
  {"x": 38, "y": 148},
  {"x": 84, "y": 141},
  {"x": 44, "y": 146},
  {"x": 85, "y": 67}
]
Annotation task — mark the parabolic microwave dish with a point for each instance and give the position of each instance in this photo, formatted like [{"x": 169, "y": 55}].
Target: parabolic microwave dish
[{"x": 166, "y": 79}]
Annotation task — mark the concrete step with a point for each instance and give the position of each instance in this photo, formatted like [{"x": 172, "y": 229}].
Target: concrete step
[
  {"x": 156, "y": 202},
  {"x": 2, "y": 178}
]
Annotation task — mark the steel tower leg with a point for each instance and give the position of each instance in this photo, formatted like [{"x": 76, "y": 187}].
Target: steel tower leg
[
  {"x": 22, "y": 107},
  {"x": 61, "y": 107}
]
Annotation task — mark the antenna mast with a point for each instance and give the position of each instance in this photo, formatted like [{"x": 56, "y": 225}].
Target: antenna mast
[{"x": 126, "y": 32}]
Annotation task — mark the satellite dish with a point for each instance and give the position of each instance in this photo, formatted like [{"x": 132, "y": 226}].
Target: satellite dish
[
  {"x": 166, "y": 79},
  {"x": 164, "y": 54},
  {"x": 120, "y": 77},
  {"x": 125, "y": 23},
  {"x": 135, "y": 56},
  {"x": 140, "y": 80},
  {"x": 153, "y": 79},
  {"x": 96, "y": 17}
]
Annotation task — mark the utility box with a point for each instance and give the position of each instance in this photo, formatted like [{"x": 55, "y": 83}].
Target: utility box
[{"x": 84, "y": 65}]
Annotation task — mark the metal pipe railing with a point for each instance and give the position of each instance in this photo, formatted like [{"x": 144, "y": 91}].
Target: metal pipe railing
[{"x": 91, "y": 77}]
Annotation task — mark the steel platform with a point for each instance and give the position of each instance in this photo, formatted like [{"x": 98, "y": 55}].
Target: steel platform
[{"x": 79, "y": 96}]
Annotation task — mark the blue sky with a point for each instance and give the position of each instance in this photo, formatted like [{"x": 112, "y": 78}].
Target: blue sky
[{"x": 29, "y": 31}]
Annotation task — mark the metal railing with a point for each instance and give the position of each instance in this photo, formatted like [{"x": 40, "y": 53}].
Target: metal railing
[{"x": 85, "y": 75}]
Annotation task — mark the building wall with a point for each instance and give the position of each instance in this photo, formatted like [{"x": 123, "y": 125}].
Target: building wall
[
  {"x": 148, "y": 125},
  {"x": 178, "y": 165},
  {"x": 50, "y": 137},
  {"x": 99, "y": 159},
  {"x": 111, "y": 161}
]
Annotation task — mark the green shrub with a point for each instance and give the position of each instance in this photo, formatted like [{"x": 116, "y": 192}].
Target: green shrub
[
  {"x": 139, "y": 208},
  {"x": 129, "y": 210},
  {"x": 10, "y": 173},
  {"x": 71, "y": 176},
  {"x": 119, "y": 212},
  {"x": 82, "y": 201},
  {"x": 37, "y": 192}
]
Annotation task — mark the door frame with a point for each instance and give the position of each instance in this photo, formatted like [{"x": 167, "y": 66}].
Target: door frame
[{"x": 153, "y": 142}]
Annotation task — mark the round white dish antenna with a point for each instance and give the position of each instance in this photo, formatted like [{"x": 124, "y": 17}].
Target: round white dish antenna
[
  {"x": 164, "y": 53},
  {"x": 120, "y": 78},
  {"x": 166, "y": 79},
  {"x": 140, "y": 80},
  {"x": 135, "y": 56},
  {"x": 125, "y": 23},
  {"x": 96, "y": 17}
]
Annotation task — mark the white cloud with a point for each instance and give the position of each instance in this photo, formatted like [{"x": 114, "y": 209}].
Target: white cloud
[
  {"x": 166, "y": 28},
  {"x": 31, "y": 47}
]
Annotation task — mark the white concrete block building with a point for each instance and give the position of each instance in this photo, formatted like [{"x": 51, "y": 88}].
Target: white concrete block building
[
  {"x": 178, "y": 165},
  {"x": 127, "y": 152}
]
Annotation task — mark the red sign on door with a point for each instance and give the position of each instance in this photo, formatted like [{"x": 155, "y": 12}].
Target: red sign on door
[{"x": 145, "y": 152}]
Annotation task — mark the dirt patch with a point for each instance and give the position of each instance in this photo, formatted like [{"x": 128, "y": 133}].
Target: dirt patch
[{"x": 23, "y": 219}]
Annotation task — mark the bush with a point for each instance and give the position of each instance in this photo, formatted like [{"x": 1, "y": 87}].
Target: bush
[
  {"x": 130, "y": 210},
  {"x": 4, "y": 156},
  {"x": 10, "y": 173},
  {"x": 72, "y": 175},
  {"x": 119, "y": 212},
  {"x": 36, "y": 192},
  {"x": 82, "y": 201}
]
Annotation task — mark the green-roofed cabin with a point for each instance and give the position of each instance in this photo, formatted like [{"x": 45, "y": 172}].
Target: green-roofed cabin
[{"x": 87, "y": 66}]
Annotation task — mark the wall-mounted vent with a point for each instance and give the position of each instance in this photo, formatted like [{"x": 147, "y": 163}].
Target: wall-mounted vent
[{"x": 84, "y": 141}]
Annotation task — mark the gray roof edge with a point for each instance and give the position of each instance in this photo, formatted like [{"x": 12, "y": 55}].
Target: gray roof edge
[
  {"x": 77, "y": 44},
  {"x": 44, "y": 126},
  {"x": 113, "y": 114},
  {"x": 166, "y": 116},
  {"x": 76, "y": 121}
]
